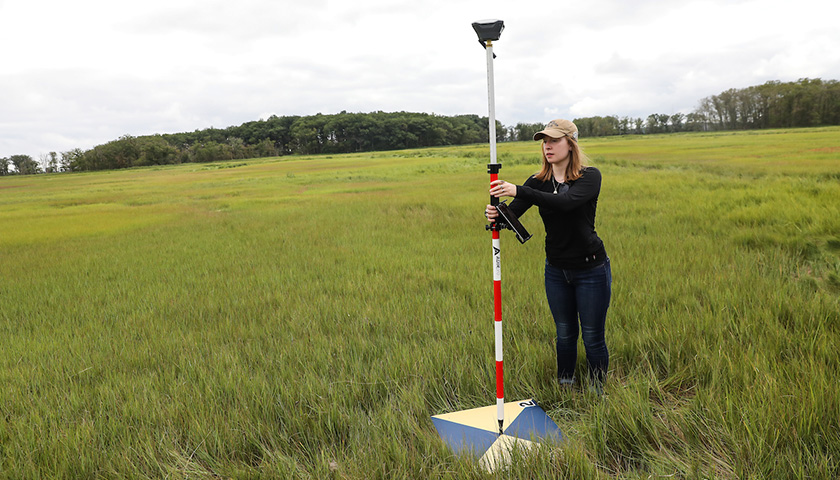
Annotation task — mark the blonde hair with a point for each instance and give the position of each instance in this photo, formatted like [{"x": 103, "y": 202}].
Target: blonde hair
[{"x": 574, "y": 169}]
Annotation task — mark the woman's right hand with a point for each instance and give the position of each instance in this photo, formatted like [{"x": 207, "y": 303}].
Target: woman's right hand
[{"x": 490, "y": 212}]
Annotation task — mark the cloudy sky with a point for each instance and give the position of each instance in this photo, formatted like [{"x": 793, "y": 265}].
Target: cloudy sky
[{"x": 75, "y": 74}]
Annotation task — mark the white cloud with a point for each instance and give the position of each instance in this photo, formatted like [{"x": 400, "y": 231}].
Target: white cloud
[{"x": 85, "y": 72}]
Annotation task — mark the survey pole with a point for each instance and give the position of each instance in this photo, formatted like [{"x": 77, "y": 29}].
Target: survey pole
[
  {"x": 489, "y": 31},
  {"x": 493, "y": 168}
]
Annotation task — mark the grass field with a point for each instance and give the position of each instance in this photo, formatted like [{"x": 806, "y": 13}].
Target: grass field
[{"x": 304, "y": 317}]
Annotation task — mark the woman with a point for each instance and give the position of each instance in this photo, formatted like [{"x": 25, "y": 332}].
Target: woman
[{"x": 577, "y": 270}]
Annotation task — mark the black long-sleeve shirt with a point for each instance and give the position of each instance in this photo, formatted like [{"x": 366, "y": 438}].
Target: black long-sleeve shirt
[{"x": 569, "y": 217}]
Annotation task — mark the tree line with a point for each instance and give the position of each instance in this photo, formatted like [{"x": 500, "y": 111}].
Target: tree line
[
  {"x": 288, "y": 135},
  {"x": 804, "y": 103}
]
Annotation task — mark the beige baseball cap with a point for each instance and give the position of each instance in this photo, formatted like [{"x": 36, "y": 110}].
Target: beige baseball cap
[{"x": 557, "y": 129}]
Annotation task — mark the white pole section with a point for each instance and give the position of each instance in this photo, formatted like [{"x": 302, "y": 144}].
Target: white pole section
[{"x": 491, "y": 94}]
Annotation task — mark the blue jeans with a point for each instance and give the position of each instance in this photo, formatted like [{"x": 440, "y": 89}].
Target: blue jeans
[{"x": 580, "y": 295}]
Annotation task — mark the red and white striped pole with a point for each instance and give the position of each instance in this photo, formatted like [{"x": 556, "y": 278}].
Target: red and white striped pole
[
  {"x": 487, "y": 32},
  {"x": 497, "y": 304}
]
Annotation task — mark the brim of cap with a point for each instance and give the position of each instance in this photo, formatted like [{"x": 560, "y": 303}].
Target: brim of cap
[{"x": 549, "y": 132}]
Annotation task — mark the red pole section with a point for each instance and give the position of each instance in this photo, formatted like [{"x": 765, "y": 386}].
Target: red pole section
[{"x": 497, "y": 301}]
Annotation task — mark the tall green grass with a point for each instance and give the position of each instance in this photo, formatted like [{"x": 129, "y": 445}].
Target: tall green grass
[{"x": 304, "y": 317}]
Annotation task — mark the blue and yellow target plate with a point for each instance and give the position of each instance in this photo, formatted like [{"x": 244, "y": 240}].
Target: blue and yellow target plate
[{"x": 476, "y": 431}]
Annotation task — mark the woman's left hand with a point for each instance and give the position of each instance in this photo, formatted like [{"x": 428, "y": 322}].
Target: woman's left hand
[{"x": 501, "y": 188}]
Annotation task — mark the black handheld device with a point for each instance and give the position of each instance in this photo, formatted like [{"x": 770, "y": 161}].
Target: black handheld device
[{"x": 510, "y": 221}]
